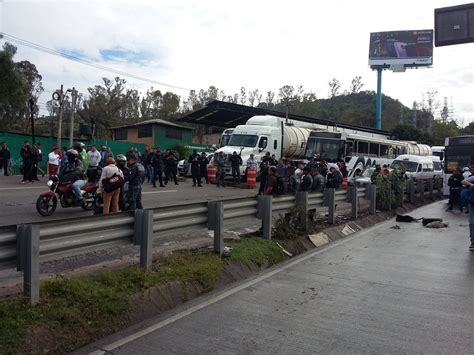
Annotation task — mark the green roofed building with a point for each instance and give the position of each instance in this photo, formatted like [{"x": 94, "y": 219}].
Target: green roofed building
[{"x": 155, "y": 133}]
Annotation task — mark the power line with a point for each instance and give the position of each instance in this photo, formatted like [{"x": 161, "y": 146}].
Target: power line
[{"x": 84, "y": 61}]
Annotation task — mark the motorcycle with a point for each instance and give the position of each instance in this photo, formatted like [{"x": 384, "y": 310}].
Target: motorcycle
[{"x": 62, "y": 192}]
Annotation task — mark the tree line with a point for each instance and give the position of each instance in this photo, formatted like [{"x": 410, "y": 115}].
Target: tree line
[{"x": 112, "y": 103}]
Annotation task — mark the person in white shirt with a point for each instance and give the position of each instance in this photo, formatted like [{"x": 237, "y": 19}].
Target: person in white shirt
[
  {"x": 53, "y": 161},
  {"x": 111, "y": 199},
  {"x": 94, "y": 157}
]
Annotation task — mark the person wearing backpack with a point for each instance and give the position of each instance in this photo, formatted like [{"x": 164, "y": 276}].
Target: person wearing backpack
[
  {"x": 111, "y": 180},
  {"x": 468, "y": 196},
  {"x": 136, "y": 177}
]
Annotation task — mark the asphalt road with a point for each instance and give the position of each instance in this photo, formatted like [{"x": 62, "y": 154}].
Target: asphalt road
[
  {"x": 17, "y": 201},
  {"x": 381, "y": 291}
]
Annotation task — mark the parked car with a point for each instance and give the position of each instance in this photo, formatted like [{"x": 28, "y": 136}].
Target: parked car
[{"x": 181, "y": 165}]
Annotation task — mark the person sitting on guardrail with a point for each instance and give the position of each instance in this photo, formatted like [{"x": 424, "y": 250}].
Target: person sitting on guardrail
[
  {"x": 306, "y": 179},
  {"x": 318, "y": 181},
  {"x": 271, "y": 181},
  {"x": 333, "y": 178}
]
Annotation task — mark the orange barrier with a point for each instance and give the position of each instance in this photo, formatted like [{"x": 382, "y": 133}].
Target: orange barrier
[
  {"x": 211, "y": 173},
  {"x": 252, "y": 178},
  {"x": 344, "y": 183}
]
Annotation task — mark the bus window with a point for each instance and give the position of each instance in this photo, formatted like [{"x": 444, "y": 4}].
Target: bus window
[
  {"x": 383, "y": 150},
  {"x": 403, "y": 150},
  {"x": 362, "y": 148},
  {"x": 349, "y": 148},
  {"x": 374, "y": 149},
  {"x": 392, "y": 151},
  {"x": 275, "y": 144}
]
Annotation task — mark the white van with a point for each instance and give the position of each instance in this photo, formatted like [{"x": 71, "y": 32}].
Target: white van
[
  {"x": 416, "y": 167},
  {"x": 437, "y": 166}
]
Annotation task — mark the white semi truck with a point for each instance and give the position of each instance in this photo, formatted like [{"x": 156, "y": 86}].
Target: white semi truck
[{"x": 299, "y": 140}]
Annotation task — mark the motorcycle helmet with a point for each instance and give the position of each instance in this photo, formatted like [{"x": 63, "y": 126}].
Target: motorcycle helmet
[
  {"x": 121, "y": 160},
  {"x": 72, "y": 155}
]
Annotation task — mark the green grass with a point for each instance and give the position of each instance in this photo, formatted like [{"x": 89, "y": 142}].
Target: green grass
[
  {"x": 75, "y": 311},
  {"x": 262, "y": 252}
]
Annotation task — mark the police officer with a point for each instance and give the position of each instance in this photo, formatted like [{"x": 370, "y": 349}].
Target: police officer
[
  {"x": 157, "y": 162},
  {"x": 203, "y": 167},
  {"x": 124, "y": 197},
  {"x": 195, "y": 160},
  {"x": 137, "y": 176}
]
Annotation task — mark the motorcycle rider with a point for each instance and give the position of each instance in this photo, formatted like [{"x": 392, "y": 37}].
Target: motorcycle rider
[
  {"x": 72, "y": 171},
  {"x": 136, "y": 177}
]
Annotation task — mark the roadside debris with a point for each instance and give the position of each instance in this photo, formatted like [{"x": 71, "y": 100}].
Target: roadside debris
[
  {"x": 226, "y": 251},
  {"x": 396, "y": 226},
  {"x": 437, "y": 224},
  {"x": 284, "y": 250}
]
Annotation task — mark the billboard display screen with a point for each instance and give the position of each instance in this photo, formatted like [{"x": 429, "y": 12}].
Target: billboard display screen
[{"x": 414, "y": 48}]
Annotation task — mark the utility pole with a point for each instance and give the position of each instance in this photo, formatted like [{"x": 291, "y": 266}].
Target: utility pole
[
  {"x": 73, "y": 109},
  {"x": 32, "y": 117},
  {"x": 58, "y": 95}
]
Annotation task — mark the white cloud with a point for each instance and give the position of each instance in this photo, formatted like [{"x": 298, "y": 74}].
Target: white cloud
[{"x": 256, "y": 44}]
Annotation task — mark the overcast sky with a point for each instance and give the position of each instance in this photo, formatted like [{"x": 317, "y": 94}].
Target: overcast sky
[{"x": 229, "y": 44}]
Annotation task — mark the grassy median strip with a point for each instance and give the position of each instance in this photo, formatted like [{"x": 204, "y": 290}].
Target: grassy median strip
[{"x": 76, "y": 311}]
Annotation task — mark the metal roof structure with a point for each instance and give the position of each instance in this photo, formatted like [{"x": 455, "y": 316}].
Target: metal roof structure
[
  {"x": 152, "y": 121},
  {"x": 228, "y": 115}
]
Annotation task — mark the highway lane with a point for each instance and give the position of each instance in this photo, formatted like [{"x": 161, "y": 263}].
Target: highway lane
[
  {"x": 384, "y": 290},
  {"x": 17, "y": 201}
]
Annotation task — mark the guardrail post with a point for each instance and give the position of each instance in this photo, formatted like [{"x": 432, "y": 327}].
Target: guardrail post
[
  {"x": 354, "y": 201},
  {"x": 215, "y": 217},
  {"x": 421, "y": 189},
  {"x": 265, "y": 214},
  {"x": 411, "y": 191},
  {"x": 373, "y": 199},
  {"x": 138, "y": 227},
  {"x": 28, "y": 241},
  {"x": 302, "y": 208},
  {"x": 331, "y": 206},
  {"x": 146, "y": 243},
  {"x": 429, "y": 184}
]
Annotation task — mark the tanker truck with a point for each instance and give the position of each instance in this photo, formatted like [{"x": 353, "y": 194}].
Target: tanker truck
[
  {"x": 300, "y": 140},
  {"x": 262, "y": 134}
]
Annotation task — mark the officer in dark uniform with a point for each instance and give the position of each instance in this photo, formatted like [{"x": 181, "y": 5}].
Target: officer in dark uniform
[
  {"x": 195, "y": 160},
  {"x": 158, "y": 163},
  {"x": 136, "y": 176},
  {"x": 203, "y": 167}
]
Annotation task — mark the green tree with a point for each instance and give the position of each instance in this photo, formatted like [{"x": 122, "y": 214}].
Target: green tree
[
  {"x": 19, "y": 82},
  {"x": 356, "y": 85},
  {"x": 334, "y": 86},
  {"x": 442, "y": 129}
]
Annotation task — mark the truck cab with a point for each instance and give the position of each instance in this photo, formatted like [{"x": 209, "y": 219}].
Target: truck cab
[{"x": 261, "y": 134}]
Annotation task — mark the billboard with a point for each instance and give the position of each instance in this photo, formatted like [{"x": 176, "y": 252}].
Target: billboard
[
  {"x": 454, "y": 25},
  {"x": 409, "y": 48}
]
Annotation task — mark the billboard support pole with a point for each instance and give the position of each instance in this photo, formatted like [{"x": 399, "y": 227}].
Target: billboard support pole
[{"x": 378, "y": 110}]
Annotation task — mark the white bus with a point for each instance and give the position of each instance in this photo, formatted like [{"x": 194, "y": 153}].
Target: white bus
[
  {"x": 359, "y": 152},
  {"x": 458, "y": 154}
]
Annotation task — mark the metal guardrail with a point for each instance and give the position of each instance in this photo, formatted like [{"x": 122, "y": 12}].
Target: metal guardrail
[{"x": 27, "y": 245}]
